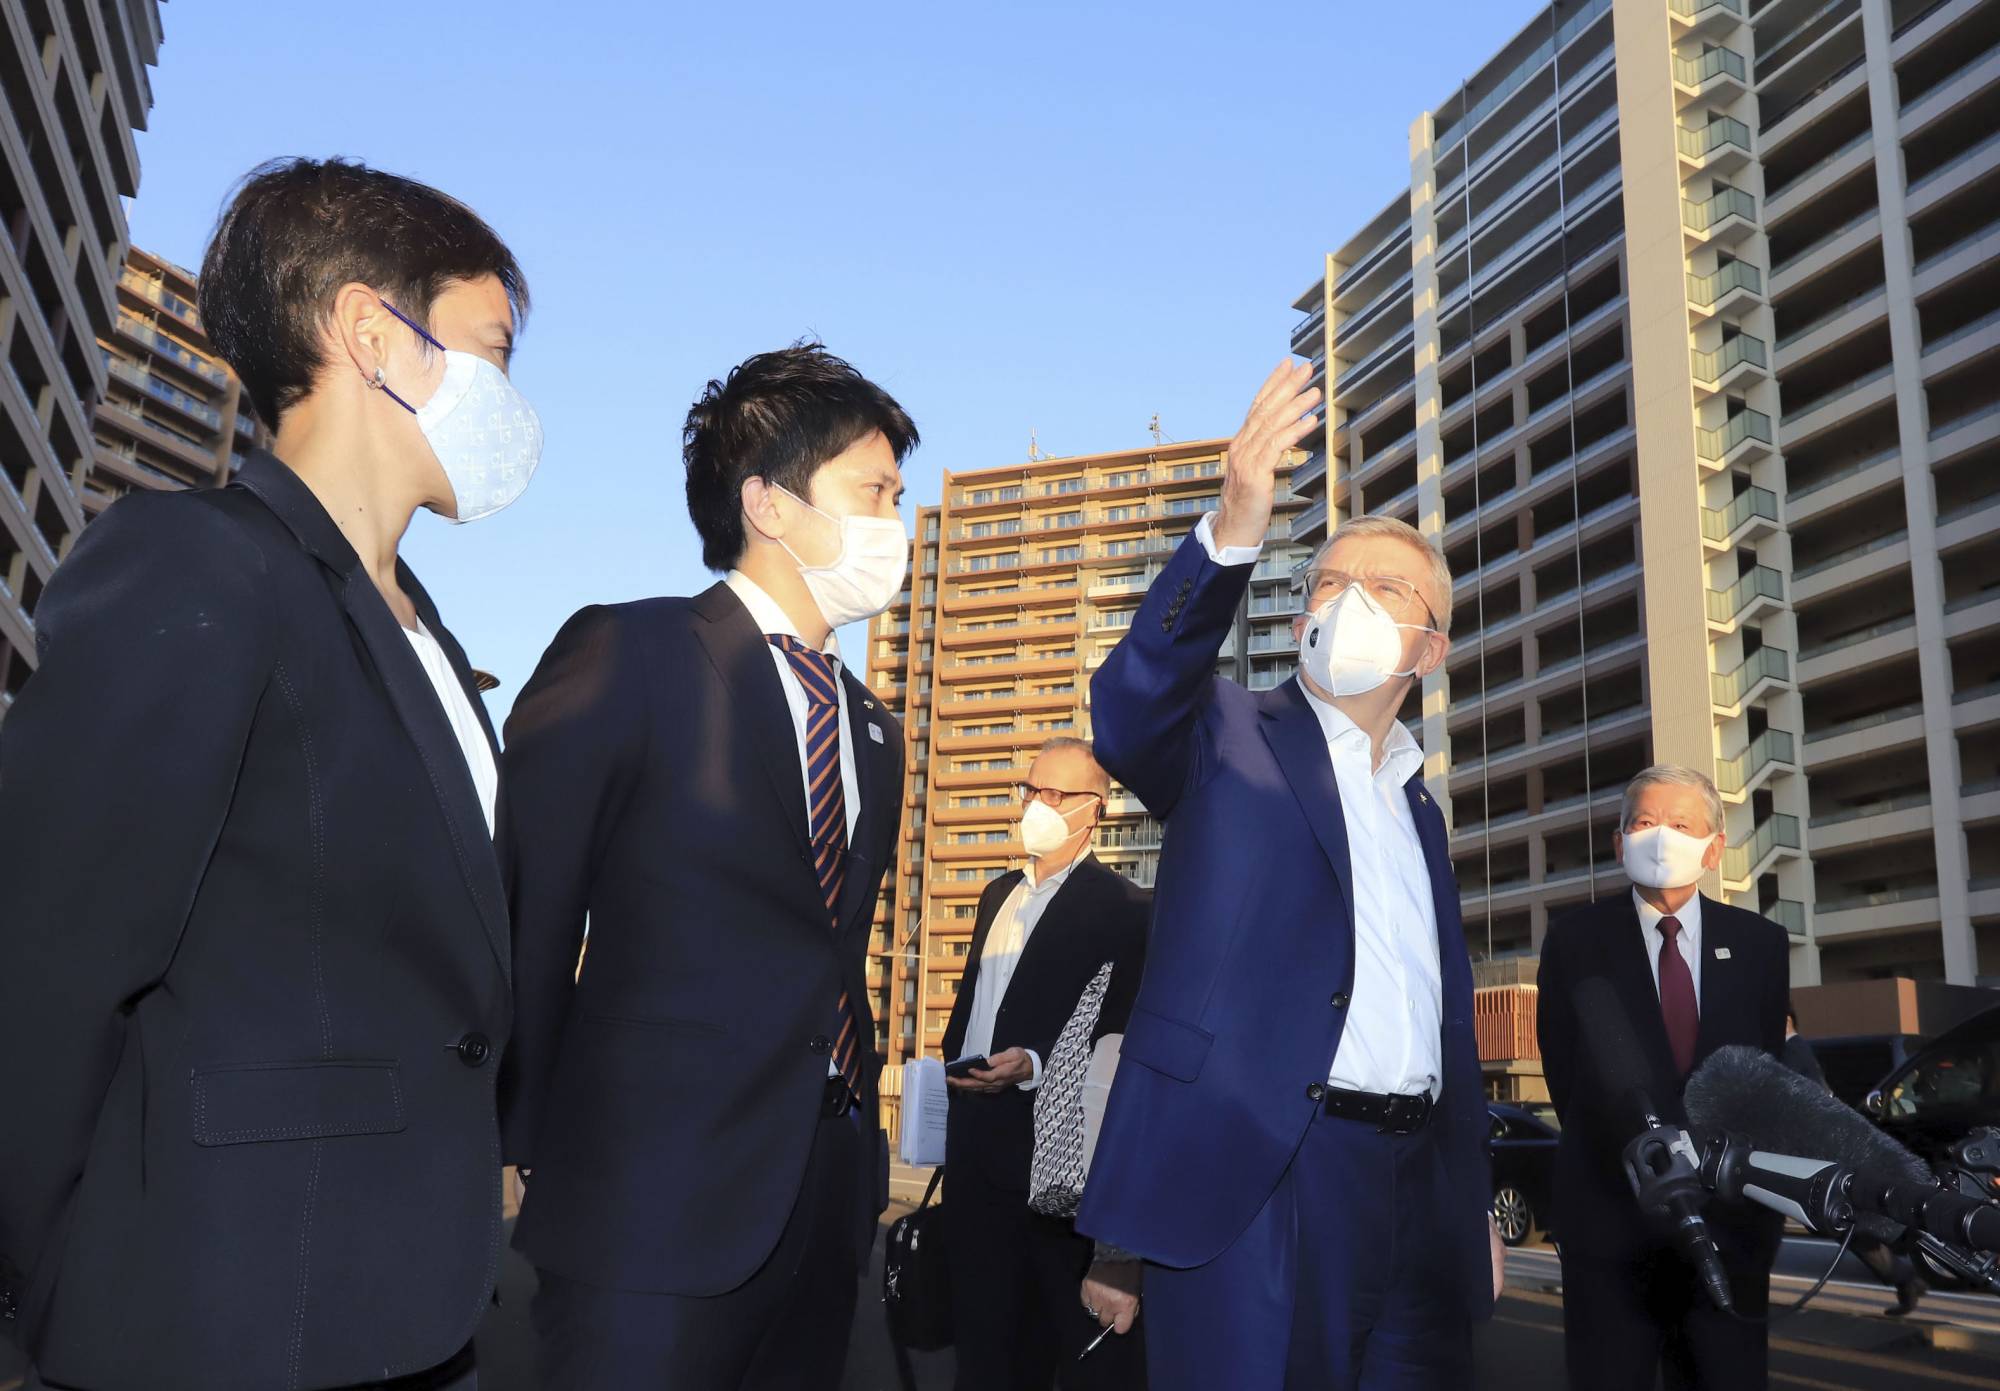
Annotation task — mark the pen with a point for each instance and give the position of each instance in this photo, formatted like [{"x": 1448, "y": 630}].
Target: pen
[{"x": 1094, "y": 1342}]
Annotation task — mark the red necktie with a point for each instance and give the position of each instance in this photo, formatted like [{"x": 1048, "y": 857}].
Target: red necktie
[
  {"x": 826, "y": 818},
  {"x": 1677, "y": 1006}
]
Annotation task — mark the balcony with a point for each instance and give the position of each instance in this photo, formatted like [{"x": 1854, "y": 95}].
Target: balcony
[
  {"x": 1705, "y": 16},
  {"x": 160, "y": 295},
  {"x": 1752, "y": 512},
  {"x": 1744, "y": 437},
  {"x": 1773, "y": 750},
  {"x": 1789, "y": 914},
  {"x": 1730, "y": 690},
  {"x": 1740, "y": 357},
  {"x": 1723, "y": 66},
  {"x": 1732, "y": 284},
  {"x": 1729, "y": 215},
  {"x": 1724, "y": 143},
  {"x": 1728, "y": 607},
  {"x": 143, "y": 332},
  {"x": 1741, "y": 864}
]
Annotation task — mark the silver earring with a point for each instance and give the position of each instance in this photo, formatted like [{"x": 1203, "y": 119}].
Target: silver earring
[{"x": 378, "y": 382}]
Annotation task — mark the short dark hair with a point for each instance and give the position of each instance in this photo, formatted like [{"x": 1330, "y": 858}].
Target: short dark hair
[
  {"x": 296, "y": 230},
  {"x": 777, "y": 416}
]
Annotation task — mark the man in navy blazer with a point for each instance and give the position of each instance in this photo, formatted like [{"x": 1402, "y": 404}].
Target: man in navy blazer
[{"x": 1296, "y": 1138}]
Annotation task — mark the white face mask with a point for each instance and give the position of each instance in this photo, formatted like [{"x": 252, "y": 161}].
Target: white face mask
[
  {"x": 1660, "y": 857},
  {"x": 1352, "y": 645},
  {"x": 484, "y": 433},
  {"x": 866, "y": 576},
  {"x": 1044, "y": 829}
]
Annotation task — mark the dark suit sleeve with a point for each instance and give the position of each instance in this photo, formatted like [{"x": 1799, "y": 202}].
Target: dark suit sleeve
[
  {"x": 1147, "y": 698},
  {"x": 1555, "y": 1020},
  {"x": 575, "y": 741},
  {"x": 1777, "y": 992},
  {"x": 117, "y": 766},
  {"x": 1130, "y": 919}
]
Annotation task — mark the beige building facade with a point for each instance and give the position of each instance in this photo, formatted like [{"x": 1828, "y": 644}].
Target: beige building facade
[
  {"x": 1023, "y": 580},
  {"x": 1684, "y": 343}
]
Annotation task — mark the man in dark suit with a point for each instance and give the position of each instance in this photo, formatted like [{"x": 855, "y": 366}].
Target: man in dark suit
[
  {"x": 695, "y": 1109},
  {"x": 1296, "y": 1137},
  {"x": 1693, "y": 974},
  {"x": 1042, "y": 934},
  {"x": 253, "y": 949}
]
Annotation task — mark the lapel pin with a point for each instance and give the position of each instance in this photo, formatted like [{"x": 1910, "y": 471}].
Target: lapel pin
[
  {"x": 1722, "y": 953},
  {"x": 875, "y": 732},
  {"x": 867, "y": 705}
]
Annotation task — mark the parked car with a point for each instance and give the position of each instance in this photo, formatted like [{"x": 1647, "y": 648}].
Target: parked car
[
  {"x": 1946, "y": 1088},
  {"x": 1857, "y": 1063},
  {"x": 1521, "y": 1140}
]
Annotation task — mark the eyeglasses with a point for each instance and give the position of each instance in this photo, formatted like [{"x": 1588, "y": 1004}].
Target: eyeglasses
[
  {"x": 1398, "y": 596},
  {"x": 1053, "y": 796}
]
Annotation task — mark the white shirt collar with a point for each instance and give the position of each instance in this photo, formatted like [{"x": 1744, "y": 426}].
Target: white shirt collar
[
  {"x": 1054, "y": 880},
  {"x": 1402, "y": 756},
  {"x": 1689, "y": 918},
  {"x": 771, "y": 620}
]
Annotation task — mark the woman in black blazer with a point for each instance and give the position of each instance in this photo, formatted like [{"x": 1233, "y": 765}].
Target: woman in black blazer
[{"x": 253, "y": 950}]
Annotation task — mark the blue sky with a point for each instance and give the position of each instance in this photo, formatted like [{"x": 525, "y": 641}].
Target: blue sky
[{"x": 1051, "y": 217}]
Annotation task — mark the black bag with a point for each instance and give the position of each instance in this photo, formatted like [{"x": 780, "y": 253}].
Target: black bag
[{"x": 916, "y": 1286}]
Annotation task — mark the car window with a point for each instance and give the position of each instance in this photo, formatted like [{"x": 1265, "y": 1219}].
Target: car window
[{"x": 1954, "y": 1078}]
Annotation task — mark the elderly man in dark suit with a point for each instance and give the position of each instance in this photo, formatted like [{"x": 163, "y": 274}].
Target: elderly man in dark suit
[
  {"x": 1041, "y": 936},
  {"x": 1694, "y": 974}
]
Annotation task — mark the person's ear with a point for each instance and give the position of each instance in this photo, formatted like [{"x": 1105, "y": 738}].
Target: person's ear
[
  {"x": 761, "y": 512},
  {"x": 362, "y": 327},
  {"x": 1618, "y": 846},
  {"x": 1711, "y": 858}
]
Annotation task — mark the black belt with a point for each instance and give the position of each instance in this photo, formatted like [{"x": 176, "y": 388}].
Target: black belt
[
  {"x": 838, "y": 1100},
  {"x": 1398, "y": 1114}
]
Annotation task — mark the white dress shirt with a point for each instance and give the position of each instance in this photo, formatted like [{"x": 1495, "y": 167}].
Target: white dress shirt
[
  {"x": 1689, "y": 941},
  {"x": 459, "y": 713},
  {"x": 1006, "y": 940},
  {"x": 1393, "y": 1039},
  {"x": 771, "y": 620}
]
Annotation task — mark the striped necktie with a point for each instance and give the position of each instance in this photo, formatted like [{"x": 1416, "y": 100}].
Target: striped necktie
[{"x": 826, "y": 820}]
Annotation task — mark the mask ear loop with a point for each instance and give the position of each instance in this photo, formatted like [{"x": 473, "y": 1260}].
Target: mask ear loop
[{"x": 381, "y": 385}]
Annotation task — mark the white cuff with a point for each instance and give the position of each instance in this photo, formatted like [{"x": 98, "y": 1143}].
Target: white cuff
[
  {"x": 1224, "y": 555},
  {"x": 1035, "y": 1060}
]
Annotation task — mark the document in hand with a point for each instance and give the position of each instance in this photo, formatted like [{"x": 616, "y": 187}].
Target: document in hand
[{"x": 924, "y": 1102}]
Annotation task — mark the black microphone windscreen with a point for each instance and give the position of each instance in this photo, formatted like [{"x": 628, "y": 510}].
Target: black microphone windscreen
[
  {"x": 1607, "y": 1045},
  {"x": 1748, "y": 1092}
]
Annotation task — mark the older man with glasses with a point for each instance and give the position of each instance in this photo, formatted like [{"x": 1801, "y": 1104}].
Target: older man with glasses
[{"x": 1042, "y": 935}]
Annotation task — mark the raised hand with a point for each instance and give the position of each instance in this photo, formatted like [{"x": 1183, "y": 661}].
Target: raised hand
[{"x": 1279, "y": 418}]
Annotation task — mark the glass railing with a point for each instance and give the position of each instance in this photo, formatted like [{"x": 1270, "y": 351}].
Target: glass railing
[
  {"x": 1772, "y": 746},
  {"x": 1965, "y": 331},
  {"x": 1841, "y": 474},
  {"x": 1762, "y": 582},
  {"x": 1705, "y": 140},
  {"x": 1874, "y": 721},
  {"x": 1882, "y": 806},
  {"x": 1745, "y": 425},
  {"x": 194, "y": 362},
  {"x": 1454, "y": 132},
  {"x": 1727, "y": 688},
  {"x": 1789, "y": 914},
  {"x": 1854, "y": 638},
  {"x": 1692, "y": 72},
  {"x": 160, "y": 295},
  {"x": 1727, "y": 201},
  {"x": 1720, "y": 523},
  {"x": 1906, "y": 893},
  {"x": 1816, "y": 243},
  {"x": 1833, "y": 393},
  {"x": 1692, "y": 10},
  {"x": 1826, "y": 317},
  {"x": 1711, "y": 367},
  {"x": 160, "y": 390},
  {"x": 1777, "y": 195},
  {"x": 1705, "y": 290},
  {"x": 1778, "y": 832},
  {"x": 1771, "y": 47},
  {"x": 246, "y": 423},
  {"x": 1880, "y": 543},
  {"x": 1938, "y": 173}
]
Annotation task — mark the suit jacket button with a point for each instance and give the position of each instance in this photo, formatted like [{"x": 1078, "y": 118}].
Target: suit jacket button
[
  {"x": 821, "y": 1044},
  {"x": 474, "y": 1049},
  {"x": 1315, "y": 1093},
  {"x": 1340, "y": 1000}
]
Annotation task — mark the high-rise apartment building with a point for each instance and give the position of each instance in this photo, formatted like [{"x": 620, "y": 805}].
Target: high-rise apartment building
[
  {"x": 73, "y": 86},
  {"x": 1024, "y": 578},
  {"x": 173, "y": 415},
  {"x": 1684, "y": 342}
]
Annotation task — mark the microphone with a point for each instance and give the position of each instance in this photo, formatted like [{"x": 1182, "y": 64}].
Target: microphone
[
  {"x": 1772, "y": 1118},
  {"x": 1661, "y": 1162}
]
